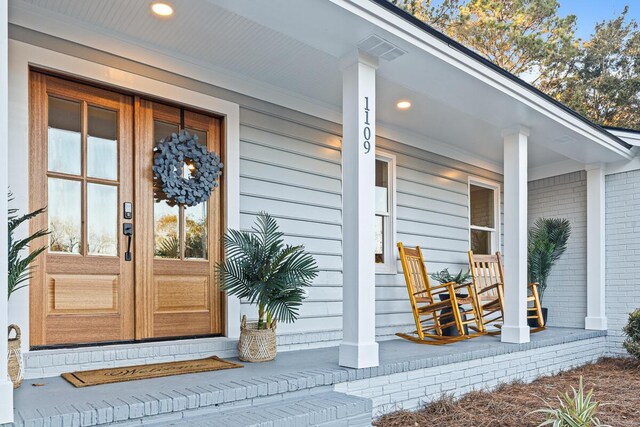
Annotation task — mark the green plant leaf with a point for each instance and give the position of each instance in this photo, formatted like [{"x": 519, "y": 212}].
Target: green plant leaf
[
  {"x": 21, "y": 267},
  {"x": 263, "y": 270}
]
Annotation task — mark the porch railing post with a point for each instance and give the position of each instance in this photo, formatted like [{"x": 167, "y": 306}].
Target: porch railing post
[
  {"x": 515, "y": 329},
  {"x": 6, "y": 388},
  {"x": 596, "y": 317},
  {"x": 358, "y": 348}
]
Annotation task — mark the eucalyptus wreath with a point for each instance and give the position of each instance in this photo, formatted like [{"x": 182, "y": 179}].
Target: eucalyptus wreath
[{"x": 175, "y": 153}]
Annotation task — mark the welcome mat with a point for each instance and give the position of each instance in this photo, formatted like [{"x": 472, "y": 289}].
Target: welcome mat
[{"x": 141, "y": 372}]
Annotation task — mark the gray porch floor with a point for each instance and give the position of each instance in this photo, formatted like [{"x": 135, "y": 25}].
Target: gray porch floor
[{"x": 295, "y": 373}]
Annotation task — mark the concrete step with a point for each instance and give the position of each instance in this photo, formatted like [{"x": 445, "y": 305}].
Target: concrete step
[{"x": 323, "y": 409}]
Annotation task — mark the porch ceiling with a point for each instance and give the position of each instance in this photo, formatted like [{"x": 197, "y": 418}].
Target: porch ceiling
[{"x": 294, "y": 51}]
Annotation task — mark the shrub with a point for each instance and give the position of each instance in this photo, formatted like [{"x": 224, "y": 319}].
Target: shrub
[
  {"x": 632, "y": 331},
  {"x": 578, "y": 410}
]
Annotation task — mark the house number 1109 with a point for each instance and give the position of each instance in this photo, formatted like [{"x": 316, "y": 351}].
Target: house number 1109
[{"x": 367, "y": 130}]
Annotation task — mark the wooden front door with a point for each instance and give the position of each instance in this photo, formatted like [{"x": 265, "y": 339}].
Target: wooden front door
[
  {"x": 81, "y": 169},
  {"x": 91, "y": 153},
  {"x": 180, "y": 244}
]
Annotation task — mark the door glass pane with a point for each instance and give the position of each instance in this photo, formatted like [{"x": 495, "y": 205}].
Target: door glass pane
[
  {"x": 163, "y": 129},
  {"x": 482, "y": 206},
  {"x": 202, "y": 136},
  {"x": 196, "y": 231},
  {"x": 102, "y": 219},
  {"x": 166, "y": 241},
  {"x": 102, "y": 143},
  {"x": 481, "y": 242},
  {"x": 379, "y": 236},
  {"x": 64, "y": 136},
  {"x": 64, "y": 212}
]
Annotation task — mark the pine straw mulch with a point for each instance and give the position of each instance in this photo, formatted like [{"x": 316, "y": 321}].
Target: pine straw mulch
[{"x": 615, "y": 383}]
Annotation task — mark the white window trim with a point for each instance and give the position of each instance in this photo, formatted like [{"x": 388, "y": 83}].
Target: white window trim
[
  {"x": 390, "y": 264},
  {"x": 495, "y": 186}
]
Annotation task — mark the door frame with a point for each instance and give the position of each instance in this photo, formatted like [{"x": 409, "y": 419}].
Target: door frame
[{"x": 23, "y": 57}]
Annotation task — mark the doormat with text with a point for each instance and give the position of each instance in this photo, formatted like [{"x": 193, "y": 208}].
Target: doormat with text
[{"x": 141, "y": 372}]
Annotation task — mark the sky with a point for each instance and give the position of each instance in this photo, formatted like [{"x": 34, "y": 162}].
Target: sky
[{"x": 589, "y": 12}]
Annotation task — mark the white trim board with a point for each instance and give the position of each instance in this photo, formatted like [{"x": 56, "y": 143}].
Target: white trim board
[{"x": 23, "y": 55}]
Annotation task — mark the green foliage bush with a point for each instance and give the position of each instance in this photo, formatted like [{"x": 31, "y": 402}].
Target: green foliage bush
[{"x": 632, "y": 331}]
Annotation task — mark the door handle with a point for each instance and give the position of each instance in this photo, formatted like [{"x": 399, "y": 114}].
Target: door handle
[{"x": 127, "y": 230}]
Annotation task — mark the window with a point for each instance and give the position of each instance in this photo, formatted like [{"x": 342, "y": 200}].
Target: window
[
  {"x": 385, "y": 257},
  {"x": 484, "y": 217}
]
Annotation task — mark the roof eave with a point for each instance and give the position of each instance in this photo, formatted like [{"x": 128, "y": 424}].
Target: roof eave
[{"x": 490, "y": 65}]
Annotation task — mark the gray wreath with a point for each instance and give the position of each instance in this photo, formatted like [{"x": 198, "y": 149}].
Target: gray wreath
[{"x": 171, "y": 155}]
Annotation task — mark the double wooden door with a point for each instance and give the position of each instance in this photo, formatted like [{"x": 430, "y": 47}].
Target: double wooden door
[{"x": 121, "y": 264}]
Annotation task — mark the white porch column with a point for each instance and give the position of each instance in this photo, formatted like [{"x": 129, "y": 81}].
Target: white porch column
[
  {"x": 596, "y": 318},
  {"x": 358, "y": 348},
  {"x": 6, "y": 388},
  {"x": 515, "y": 329}
]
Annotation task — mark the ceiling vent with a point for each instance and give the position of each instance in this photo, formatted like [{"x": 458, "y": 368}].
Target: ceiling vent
[
  {"x": 564, "y": 139},
  {"x": 380, "y": 48}
]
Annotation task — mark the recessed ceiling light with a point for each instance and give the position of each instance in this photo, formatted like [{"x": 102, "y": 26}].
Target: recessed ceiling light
[
  {"x": 162, "y": 9},
  {"x": 403, "y": 105}
]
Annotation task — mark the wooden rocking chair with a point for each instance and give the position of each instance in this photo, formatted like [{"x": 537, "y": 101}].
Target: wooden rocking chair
[
  {"x": 488, "y": 281},
  {"x": 432, "y": 317}
]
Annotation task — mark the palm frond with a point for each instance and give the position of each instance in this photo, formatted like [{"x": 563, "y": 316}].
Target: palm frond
[
  {"x": 263, "y": 270},
  {"x": 547, "y": 242},
  {"x": 169, "y": 247},
  {"x": 21, "y": 267}
]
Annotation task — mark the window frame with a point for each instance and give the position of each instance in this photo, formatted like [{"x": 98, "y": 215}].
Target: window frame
[
  {"x": 495, "y": 231},
  {"x": 389, "y": 266}
]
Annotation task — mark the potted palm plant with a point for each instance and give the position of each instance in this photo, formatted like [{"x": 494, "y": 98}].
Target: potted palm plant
[
  {"x": 461, "y": 278},
  {"x": 548, "y": 239},
  {"x": 19, "y": 273},
  {"x": 261, "y": 269}
]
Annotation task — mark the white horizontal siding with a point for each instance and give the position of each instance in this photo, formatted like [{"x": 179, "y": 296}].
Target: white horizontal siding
[
  {"x": 432, "y": 212},
  {"x": 293, "y": 171}
]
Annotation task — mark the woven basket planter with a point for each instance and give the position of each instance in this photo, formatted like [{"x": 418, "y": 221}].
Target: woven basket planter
[
  {"x": 257, "y": 345},
  {"x": 15, "y": 357}
]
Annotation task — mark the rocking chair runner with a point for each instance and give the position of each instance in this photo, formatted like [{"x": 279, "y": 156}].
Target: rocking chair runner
[
  {"x": 488, "y": 279},
  {"x": 432, "y": 317}
]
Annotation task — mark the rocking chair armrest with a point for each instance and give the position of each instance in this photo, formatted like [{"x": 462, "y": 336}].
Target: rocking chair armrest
[
  {"x": 452, "y": 287},
  {"x": 533, "y": 284},
  {"x": 463, "y": 285},
  {"x": 488, "y": 288},
  {"x": 443, "y": 286}
]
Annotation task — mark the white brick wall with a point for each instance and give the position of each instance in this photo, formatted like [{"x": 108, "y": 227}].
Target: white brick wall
[
  {"x": 412, "y": 389},
  {"x": 622, "y": 253},
  {"x": 565, "y": 196},
  {"x": 48, "y": 363}
]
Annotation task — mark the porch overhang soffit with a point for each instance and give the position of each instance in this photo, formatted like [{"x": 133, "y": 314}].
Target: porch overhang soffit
[
  {"x": 459, "y": 99},
  {"x": 289, "y": 53}
]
